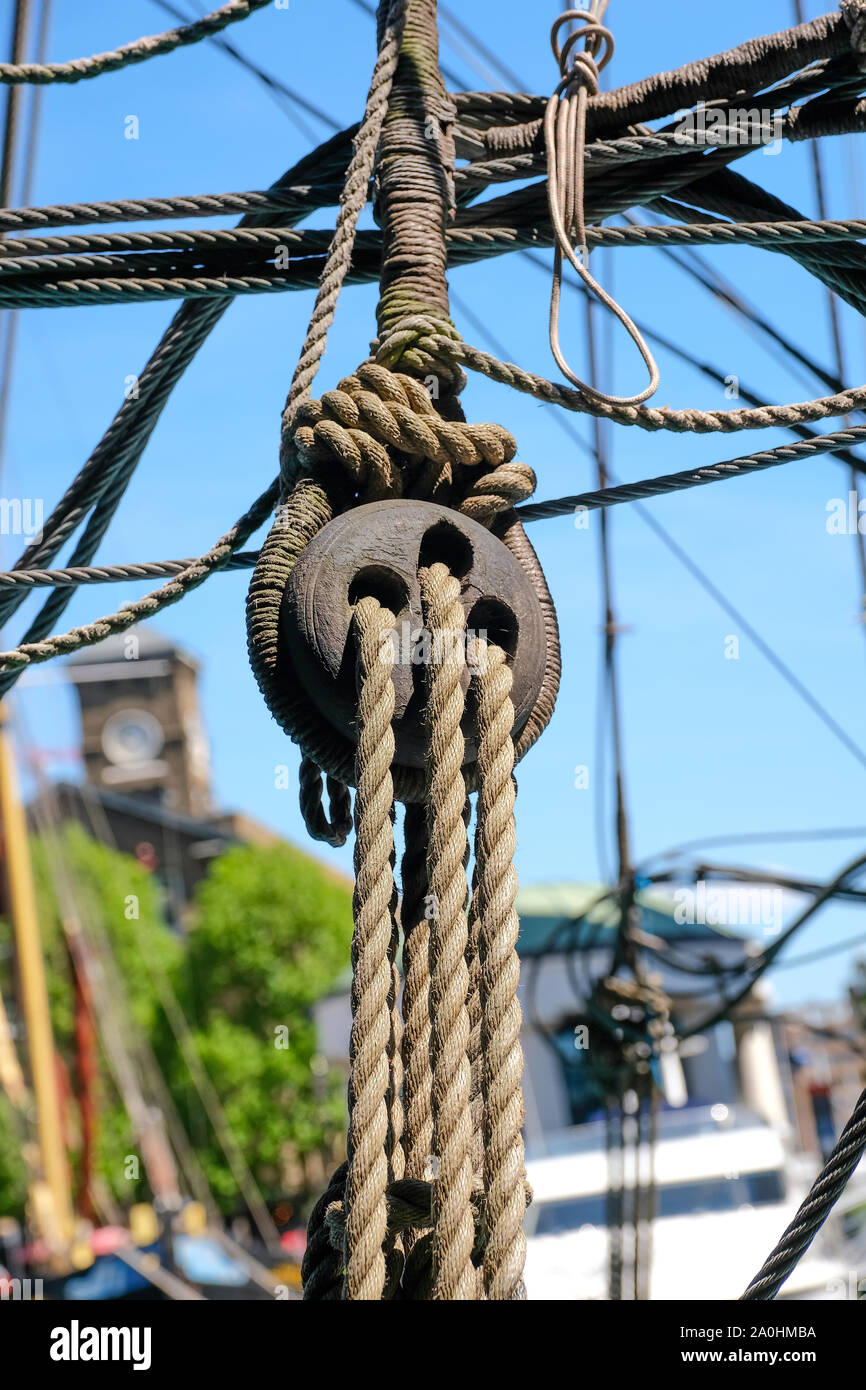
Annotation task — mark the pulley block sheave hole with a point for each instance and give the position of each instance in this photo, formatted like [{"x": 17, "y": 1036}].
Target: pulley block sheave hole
[{"x": 377, "y": 550}]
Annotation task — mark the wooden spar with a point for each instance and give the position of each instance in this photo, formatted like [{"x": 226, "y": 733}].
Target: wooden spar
[{"x": 58, "y": 1218}]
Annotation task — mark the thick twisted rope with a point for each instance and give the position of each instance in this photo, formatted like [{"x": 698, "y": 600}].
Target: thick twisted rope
[
  {"x": 276, "y": 199},
  {"x": 453, "y": 1231},
  {"x": 376, "y": 411},
  {"x": 650, "y": 417},
  {"x": 465, "y": 244},
  {"x": 697, "y": 477},
  {"x": 369, "y": 1070},
  {"x": 78, "y": 69},
  {"x": 63, "y": 644},
  {"x": 394, "y": 1098},
  {"x": 474, "y": 1010},
  {"x": 504, "y": 1201},
  {"x": 416, "y": 198},
  {"x": 352, "y": 200},
  {"x": 418, "y": 1122},
  {"x": 813, "y": 1212}
]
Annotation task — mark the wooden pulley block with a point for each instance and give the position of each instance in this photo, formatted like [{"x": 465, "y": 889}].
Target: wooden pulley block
[{"x": 378, "y": 550}]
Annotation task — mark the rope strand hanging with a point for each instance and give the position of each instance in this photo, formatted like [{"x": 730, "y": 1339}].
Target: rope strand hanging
[{"x": 565, "y": 143}]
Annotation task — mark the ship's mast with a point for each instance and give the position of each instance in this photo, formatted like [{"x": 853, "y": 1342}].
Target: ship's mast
[{"x": 56, "y": 1220}]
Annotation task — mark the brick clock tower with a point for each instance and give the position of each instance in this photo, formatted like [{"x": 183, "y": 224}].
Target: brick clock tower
[{"x": 142, "y": 733}]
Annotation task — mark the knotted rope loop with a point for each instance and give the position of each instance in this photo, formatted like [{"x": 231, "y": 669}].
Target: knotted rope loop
[
  {"x": 381, "y": 429},
  {"x": 410, "y": 345},
  {"x": 584, "y": 65},
  {"x": 565, "y": 142},
  {"x": 332, "y": 827}
]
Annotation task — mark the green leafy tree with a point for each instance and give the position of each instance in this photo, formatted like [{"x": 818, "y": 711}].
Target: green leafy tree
[
  {"x": 270, "y": 936},
  {"x": 13, "y": 1169},
  {"x": 119, "y": 903}
]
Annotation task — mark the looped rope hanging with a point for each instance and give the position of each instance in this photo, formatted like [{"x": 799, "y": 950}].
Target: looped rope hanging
[{"x": 565, "y": 142}]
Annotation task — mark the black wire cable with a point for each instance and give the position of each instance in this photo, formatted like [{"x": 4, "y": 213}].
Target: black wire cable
[
  {"x": 757, "y": 837},
  {"x": 841, "y": 1164},
  {"x": 761, "y": 963},
  {"x": 685, "y": 559},
  {"x": 720, "y": 288},
  {"x": 847, "y": 945},
  {"x": 825, "y": 1192},
  {"x": 708, "y": 369},
  {"x": 486, "y": 53},
  {"x": 275, "y": 86}
]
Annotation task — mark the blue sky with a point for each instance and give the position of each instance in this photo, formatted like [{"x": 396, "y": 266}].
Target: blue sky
[{"x": 713, "y": 746}]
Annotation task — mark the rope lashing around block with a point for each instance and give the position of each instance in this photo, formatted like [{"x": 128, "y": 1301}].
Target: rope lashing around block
[
  {"x": 138, "y": 52},
  {"x": 376, "y": 410},
  {"x": 565, "y": 143},
  {"x": 305, "y": 511}
]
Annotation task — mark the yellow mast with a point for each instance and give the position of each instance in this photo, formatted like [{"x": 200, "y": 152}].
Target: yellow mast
[{"x": 58, "y": 1220}]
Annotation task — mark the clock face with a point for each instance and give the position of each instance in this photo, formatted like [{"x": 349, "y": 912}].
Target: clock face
[{"x": 132, "y": 736}]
